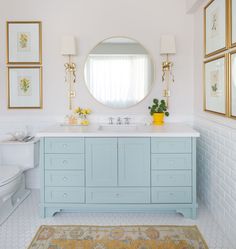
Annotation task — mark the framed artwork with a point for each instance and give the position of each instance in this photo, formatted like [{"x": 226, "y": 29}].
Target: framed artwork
[
  {"x": 25, "y": 87},
  {"x": 215, "y": 85},
  {"x": 232, "y": 85},
  {"x": 215, "y": 27},
  {"x": 232, "y": 10},
  {"x": 24, "y": 43}
]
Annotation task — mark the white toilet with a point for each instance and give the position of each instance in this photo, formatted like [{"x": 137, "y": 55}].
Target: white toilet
[{"x": 15, "y": 159}]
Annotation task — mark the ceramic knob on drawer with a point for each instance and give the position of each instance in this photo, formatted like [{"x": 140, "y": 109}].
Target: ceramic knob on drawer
[
  {"x": 64, "y": 161},
  {"x": 64, "y": 145},
  {"x": 117, "y": 195},
  {"x": 65, "y": 195},
  {"x": 65, "y": 178}
]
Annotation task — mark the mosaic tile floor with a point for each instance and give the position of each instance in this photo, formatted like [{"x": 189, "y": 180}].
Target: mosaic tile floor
[{"x": 19, "y": 229}]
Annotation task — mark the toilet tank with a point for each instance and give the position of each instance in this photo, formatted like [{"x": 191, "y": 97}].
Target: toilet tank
[{"x": 23, "y": 154}]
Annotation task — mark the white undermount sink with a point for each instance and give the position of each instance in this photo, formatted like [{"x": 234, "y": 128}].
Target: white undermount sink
[{"x": 118, "y": 128}]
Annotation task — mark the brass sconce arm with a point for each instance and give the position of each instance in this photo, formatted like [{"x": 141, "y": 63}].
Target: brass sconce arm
[
  {"x": 167, "y": 47},
  {"x": 68, "y": 48}
]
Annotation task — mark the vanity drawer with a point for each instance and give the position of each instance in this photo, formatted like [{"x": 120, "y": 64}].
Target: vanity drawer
[
  {"x": 64, "y": 161},
  {"x": 118, "y": 195},
  {"x": 171, "y": 195},
  {"x": 162, "y": 178},
  {"x": 171, "y": 145},
  {"x": 171, "y": 161},
  {"x": 64, "y": 178},
  {"x": 64, "y": 145},
  {"x": 64, "y": 194}
]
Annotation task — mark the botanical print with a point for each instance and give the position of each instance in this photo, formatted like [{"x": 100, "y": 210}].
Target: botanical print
[
  {"x": 214, "y": 84},
  {"x": 214, "y": 23},
  {"x": 24, "y": 86},
  {"x": 23, "y": 42},
  {"x": 215, "y": 27},
  {"x": 233, "y": 21}
]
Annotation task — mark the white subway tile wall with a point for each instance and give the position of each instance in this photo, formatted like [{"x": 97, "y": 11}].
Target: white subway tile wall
[{"x": 216, "y": 165}]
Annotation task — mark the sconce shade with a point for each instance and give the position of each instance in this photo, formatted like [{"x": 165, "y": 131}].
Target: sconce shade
[
  {"x": 168, "y": 44},
  {"x": 68, "y": 45}
]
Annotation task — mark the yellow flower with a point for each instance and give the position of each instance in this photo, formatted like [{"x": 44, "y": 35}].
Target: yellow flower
[
  {"x": 80, "y": 111},
  {"x": 83, "y": 111},
  {"x": 77, "y": 110},
  {"x": 85, "y": 122},
  {"x": 88, "y": 111}
]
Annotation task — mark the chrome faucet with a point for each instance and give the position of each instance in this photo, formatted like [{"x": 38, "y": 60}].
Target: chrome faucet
[
  {"x": 127, "y": 119},
  {"x": 119, "y": 121},
  {"x": 110, "y": 121}
]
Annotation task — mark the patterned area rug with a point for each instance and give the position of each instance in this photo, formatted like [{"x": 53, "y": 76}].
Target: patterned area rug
[{"x": 118, "y": 237}]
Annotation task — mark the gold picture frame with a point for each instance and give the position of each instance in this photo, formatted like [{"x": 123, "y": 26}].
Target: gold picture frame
[
  {"x": 24, "y": 42},
  {"x": 225, "y": 46},
  {"x": 23, "y": 85},
  {"x": 232, "y": 43},
  {"x": 225, "y": 87},
  {"x": 230, "y": 91}
]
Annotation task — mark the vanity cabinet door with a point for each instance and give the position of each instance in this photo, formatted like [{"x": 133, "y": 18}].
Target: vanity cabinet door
[
  {"x": 134, "y": 162},
  {"x": 101, "y": 162}
]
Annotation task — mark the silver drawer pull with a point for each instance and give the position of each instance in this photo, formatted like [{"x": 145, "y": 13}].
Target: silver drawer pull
[
  {"x": 65, "y": 178},
  {"x": 65, "y": 145},
  {"x": 64, "y": 161},
  {"x": 65, "y": 195}
]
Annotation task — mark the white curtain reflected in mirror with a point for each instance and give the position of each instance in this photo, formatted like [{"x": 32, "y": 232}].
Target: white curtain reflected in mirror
[{"x": 119, "y": 72}]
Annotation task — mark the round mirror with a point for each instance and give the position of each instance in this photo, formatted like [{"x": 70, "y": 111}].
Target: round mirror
[{"x": 119, "y": 72}]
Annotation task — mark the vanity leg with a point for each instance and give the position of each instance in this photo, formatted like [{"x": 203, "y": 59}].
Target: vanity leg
[
  {"x": 42, "y": 212},
  {"x": 49, "y": 212},
  {"x": 190, "y": 213}
]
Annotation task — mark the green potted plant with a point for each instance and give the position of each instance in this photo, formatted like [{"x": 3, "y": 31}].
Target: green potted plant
[{"x": 158, "y": 110}]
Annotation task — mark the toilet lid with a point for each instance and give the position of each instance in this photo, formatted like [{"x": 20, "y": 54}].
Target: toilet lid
[{"x": 8, "y": 173}]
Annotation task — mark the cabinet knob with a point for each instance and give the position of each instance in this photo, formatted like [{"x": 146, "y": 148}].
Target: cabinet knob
[
  {"x": 64, "y": 161},
  {"x": 65, "y": 178},
  {"x": 117, "y": 195},
  {"x": 65, "y": 195},
  {"x": 65, "y": 145}
]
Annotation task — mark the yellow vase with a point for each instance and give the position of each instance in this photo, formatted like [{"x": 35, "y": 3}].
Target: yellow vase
[{"x": 158, "y": 118}]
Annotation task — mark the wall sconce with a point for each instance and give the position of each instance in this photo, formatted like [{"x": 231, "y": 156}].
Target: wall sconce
[
  {"x": 68, "y": 48},
  {"x": 167, "y": 48}
]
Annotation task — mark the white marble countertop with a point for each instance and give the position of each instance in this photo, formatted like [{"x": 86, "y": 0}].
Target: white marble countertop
[{"x": 105, "y": 130}]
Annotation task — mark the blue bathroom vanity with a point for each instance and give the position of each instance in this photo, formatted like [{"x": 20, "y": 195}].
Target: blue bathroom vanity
[{"x": 101, "y": 169}]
